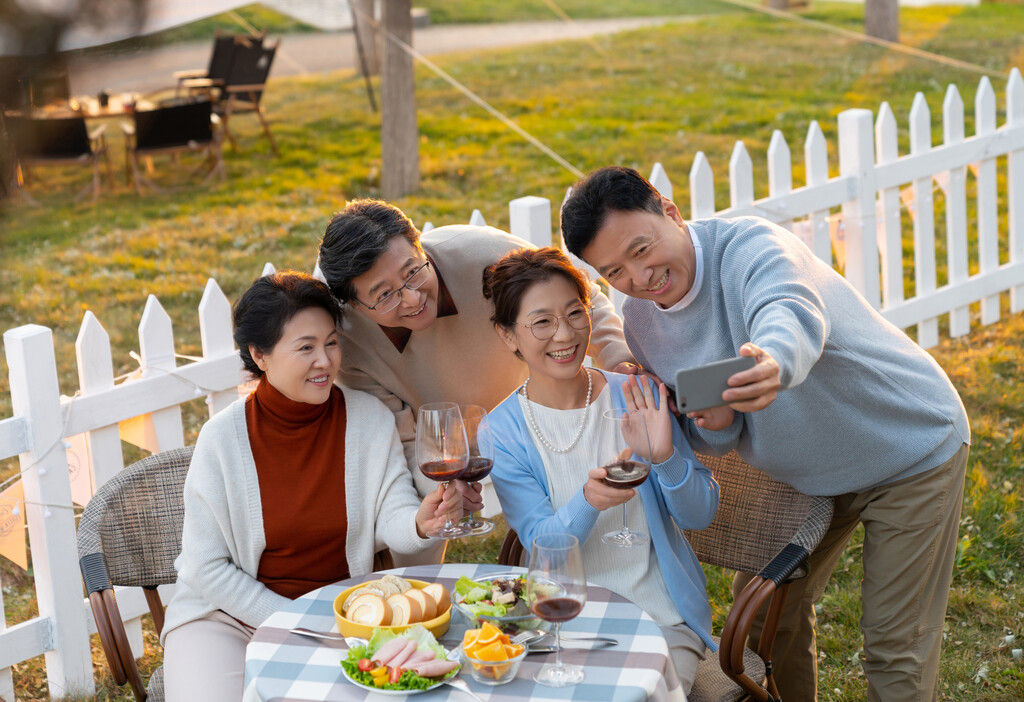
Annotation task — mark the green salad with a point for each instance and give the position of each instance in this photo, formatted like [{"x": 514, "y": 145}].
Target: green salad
[
  {"x": 357, "y": 662},
  {"x": 492, "y": 598}
]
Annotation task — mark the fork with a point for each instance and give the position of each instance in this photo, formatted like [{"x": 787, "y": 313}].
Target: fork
[{"x": 460, "y": 684}]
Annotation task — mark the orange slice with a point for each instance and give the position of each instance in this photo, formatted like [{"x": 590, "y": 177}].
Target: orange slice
[
  {"x": 489, "y": 634},
  {"x": 491, "y": 653},
  {"x": 513, "y": 650},
  {"x": 469, "y": 639}
]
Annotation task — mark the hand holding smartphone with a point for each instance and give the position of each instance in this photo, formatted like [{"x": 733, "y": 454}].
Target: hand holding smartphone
[{"x": 701, "y": 388}]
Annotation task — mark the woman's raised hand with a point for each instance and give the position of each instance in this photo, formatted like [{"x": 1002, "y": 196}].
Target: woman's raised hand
[
  {"x": 640, "y": 398},
  {"x": 436, "y": 506}
]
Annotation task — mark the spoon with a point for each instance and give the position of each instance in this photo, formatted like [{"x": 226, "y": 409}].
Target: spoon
[{"x": 352, "y": 641}]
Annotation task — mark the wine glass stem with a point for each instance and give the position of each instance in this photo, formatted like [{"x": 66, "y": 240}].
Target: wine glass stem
[
  {"x": 625, "y": 526},
  {"x": 558, "y": 645},
  {"x": 447, "y": 517}
]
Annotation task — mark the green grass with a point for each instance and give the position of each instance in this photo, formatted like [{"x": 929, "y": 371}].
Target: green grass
[{"x": 645, "y": 96}]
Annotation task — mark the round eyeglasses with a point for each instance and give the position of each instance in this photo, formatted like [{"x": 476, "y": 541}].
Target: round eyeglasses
[
  {"x": 390, "y": 301},
  {"x": 545, "y": 326}
]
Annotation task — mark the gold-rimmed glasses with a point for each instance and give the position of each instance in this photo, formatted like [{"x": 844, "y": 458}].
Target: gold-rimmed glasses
[{"x": 545, "y": 326}]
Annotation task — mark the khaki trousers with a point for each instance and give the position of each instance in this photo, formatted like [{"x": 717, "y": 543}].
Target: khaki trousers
[
  {"x": 204, "y": 660},
  {"x": 686, "y": 650},
  {"x": 910, "y": 536}
]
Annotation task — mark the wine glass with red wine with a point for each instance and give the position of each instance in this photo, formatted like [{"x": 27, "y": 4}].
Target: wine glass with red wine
[
  {"x": 624, "y": 453},
  {"x": 556, "y": 590},
  {"x": 481, "y": 459},
  {"x": 442, "y": 453}
]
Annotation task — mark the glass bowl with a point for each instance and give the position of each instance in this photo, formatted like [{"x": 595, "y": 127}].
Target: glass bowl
[
  {"x": 515, "y": 620},
  {"x": 492, "y": 672}
]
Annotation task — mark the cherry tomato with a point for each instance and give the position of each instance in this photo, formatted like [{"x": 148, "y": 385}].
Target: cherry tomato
[
  {"x": 396, "y": 673},
  {"x": 365, "y": 664},
  {"x": 381, "y": 672}
]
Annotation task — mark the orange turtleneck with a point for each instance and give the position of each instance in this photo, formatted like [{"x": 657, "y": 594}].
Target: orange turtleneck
[{"x": 299, "y": 451}]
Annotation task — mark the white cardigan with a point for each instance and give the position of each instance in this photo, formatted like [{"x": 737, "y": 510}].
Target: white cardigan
[{"x": 223, "y": 536}]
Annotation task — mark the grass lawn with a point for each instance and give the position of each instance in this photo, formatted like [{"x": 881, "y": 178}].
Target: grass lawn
[{"x": 637, "y": 98}]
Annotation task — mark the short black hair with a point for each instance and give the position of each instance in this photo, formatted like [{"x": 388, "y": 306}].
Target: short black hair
[
  {"x": 612, "y": 188},
  {"x": 356, "y": 238},
  {"x": 260, "y": 314}
]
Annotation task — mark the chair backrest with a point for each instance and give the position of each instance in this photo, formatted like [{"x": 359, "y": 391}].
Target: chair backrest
[
  {"x": 251, "y": 66},
  {"x": 39, "y": 137},
  {"x": 130, "y": 531},
  {"x": 174, "y": 124},
  {"x": 757, "y": 516}
]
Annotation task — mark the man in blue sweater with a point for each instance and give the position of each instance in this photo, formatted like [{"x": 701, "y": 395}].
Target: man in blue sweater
[{"x": 840, "y": 402}]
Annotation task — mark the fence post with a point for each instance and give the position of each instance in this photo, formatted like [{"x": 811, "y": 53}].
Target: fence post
[
  {"x": 741, "y": 177},
  {"x": 530, "y": 218},
  {"x": 51, "y": 520},
  {"x": 925, "y": 282},
  {"x": 780, "y": 174},
  {"x": 6, "y": 679},
  {"x": 659, "y": 179},
  {"x": 702, "y": 188},
  {"x": 857, "y": 159},
  {"x": 476, "y": 219},
  {"x": 215, "y": 332},
  {"x": 156, "y": 347},
  {"x": 956, "y": 209},
  {"x": 816, "y": 165},
  {"x": 1015, "y": 182},
  {"x": 890, "y": 242},
  {"x": 988, "y": 192},
  {"x": 96, "y": 374}
]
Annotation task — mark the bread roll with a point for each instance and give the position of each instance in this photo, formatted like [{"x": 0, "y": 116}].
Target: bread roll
[
  {"x": 404, "y": 610},
  {"x": 439, "y": 593},
  {"x": 370, "y": 610},
  {"x": 426, "y": 603}
]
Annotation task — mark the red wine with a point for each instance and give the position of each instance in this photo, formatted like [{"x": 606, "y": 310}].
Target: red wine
[
  {"x": 443, "y": 470},
  {"x": 557, "y": 609},
  {"x": 626, "y": 474},
  {"x": 478, "y": 469}
]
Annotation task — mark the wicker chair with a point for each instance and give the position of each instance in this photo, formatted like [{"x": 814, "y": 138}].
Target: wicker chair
[
  {"x": 130, "y": 534},
  {"x": 762, "y": 526}
]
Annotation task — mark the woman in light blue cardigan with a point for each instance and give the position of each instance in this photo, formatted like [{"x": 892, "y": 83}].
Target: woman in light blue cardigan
[{"x": 546, "y": 471}]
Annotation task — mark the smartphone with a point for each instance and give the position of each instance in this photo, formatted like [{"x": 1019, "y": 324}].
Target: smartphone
[{"x": 701, "y": 387}]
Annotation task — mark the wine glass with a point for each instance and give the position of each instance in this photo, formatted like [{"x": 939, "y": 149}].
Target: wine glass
[
  {"x": 624, "y": 451},
  {"x": 556, "y": 589},
  {"x": 442, "y": 453},
  {"x": 481, "y": 458}
]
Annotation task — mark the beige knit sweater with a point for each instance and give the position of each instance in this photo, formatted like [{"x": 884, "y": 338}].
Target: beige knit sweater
[{"x": 459, "y": 358}]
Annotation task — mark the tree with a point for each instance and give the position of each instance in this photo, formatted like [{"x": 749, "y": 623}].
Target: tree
[
  {"x": 399, "y": 130},
  {"x": 882, "y": 19}
]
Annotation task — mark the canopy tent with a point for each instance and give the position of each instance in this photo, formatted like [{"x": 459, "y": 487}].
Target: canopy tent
[{"x": 85, "y": 23}]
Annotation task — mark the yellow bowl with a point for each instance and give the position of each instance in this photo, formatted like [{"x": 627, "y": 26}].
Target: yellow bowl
[{"x": 437, "y": 626}]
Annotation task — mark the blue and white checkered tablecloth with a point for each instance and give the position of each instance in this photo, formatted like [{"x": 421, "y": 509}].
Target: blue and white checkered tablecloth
[{"x": 285, "y": 667}]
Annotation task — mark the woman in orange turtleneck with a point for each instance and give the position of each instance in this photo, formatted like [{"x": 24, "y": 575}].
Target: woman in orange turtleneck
[{"x": 294, "y": 487}]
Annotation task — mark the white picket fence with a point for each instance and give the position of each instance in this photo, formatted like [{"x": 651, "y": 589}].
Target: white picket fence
[{"x": 866, "y": 234}]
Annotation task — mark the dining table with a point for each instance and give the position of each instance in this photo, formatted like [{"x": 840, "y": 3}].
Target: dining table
[{"x": 282, "y": 666}]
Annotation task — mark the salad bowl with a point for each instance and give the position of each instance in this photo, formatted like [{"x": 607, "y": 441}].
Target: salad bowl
[{"x": 488, "y": 600}]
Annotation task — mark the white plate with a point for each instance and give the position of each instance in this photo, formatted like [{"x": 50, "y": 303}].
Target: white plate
[{"x": 382, "y": 691}]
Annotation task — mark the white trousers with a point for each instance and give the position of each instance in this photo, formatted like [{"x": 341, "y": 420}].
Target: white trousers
[{"x": 204, "y": 660}]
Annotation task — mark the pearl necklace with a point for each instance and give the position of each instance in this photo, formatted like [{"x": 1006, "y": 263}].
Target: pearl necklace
[{"x": 536, "y": 429}]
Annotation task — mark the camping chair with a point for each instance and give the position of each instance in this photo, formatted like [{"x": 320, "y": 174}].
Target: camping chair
[
  {"x": 175, "y": 126},
  {"x": 243, "y": 88},
  {"x": 130, "y": 534},
  {"x": 63, "y": 140},
  {"x": 762, "y": 526},
  {"x": 221, "y": 57}
]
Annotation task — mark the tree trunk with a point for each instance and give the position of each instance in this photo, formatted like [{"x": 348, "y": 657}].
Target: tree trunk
[
  {"x": 366, "y": 35},
  {"x": 778, "y": 4},
  {"x": 882, "y": 19},
  {"x": 399, "y": 130}
]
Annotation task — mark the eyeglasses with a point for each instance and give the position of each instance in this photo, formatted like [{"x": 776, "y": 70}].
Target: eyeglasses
[
  {"x": 545, "y": 326},
  {"x": 389, "y": 302}
]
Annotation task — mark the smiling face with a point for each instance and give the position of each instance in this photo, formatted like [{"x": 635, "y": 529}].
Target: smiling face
[
  {"x": 302, "y": 365},
  {"x": 644, "y": 254},
  {"x": 417, "y": 308},
  {"x": 559, "y": 357}
]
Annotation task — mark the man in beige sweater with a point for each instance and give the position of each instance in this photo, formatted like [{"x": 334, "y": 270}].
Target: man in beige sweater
[{"x": 418, "y": 329}]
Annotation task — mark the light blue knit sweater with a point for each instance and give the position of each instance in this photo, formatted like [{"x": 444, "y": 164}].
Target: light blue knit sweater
[{"x": 861, "y": 405}]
